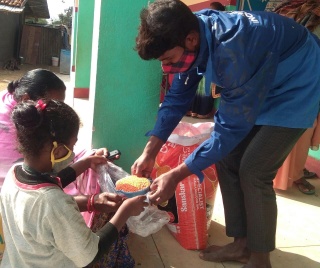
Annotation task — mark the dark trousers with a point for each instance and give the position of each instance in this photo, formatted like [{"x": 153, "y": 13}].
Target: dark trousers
[{"x": 245, "y": 178}]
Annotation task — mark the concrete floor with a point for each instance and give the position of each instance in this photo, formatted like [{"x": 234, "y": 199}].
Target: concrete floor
[{"x": 297, "y": 239}]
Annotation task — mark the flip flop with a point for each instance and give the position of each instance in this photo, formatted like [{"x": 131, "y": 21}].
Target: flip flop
[
  {"x": 304, "y": 186},
  {"x": 309, "y": 175}
]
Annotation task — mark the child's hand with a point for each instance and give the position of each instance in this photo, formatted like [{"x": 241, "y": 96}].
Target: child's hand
[
  {"x": 106, "y": 153},
  {"x": 101, "y": 151},
  {"x": 107, "y": 202},
  {"x": 92, "y": 161},
  {"x": 98, "y": 158},
  {"x": 135, "y": 205},
  {"x": 130, "y": 207}
]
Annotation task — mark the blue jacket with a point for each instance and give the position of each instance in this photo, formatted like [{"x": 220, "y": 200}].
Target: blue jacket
[{"x": 268, "y": 68}]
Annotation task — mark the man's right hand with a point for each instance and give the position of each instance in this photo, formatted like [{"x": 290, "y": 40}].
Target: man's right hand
[{"x": 143, "y": 166}]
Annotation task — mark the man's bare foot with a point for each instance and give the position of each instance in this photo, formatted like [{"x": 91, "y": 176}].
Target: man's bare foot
[
  {"x": 236, "y": 251},
  {"x": 258, "y": 260}
]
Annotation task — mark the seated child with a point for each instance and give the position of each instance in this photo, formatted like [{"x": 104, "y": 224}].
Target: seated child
[
  {"x": 41, "y": 223},
  {"x": 42, "y": 83}
]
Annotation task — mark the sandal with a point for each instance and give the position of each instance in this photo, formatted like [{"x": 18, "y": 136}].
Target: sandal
[
  {"x": 304, "y": 186},
  {"x": 309, "y": 175}
]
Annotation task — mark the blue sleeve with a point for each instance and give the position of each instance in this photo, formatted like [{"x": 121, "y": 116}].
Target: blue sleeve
[
  {"x": 238, "y": 110},
  {"x": 176, "y": 103}
]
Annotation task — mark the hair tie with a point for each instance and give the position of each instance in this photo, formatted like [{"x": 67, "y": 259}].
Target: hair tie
[{"x": 40, "y": 104}]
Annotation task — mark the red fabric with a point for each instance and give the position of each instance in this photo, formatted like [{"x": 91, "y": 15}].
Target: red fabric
[
  {"x": 305, "y": 12},
  {"x": 184, "y": 63}
]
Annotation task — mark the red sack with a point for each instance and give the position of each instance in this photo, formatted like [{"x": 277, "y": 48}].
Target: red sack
[{"x": 191, "y": 208}]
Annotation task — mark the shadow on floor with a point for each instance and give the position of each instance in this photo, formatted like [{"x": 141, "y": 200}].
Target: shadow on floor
[
  {"x": 294, "y": 194},
  {"x": 280, "y": 258}
]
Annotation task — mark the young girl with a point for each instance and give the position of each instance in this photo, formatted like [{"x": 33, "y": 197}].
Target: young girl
[
  {"x": 41, "y": 83},
  {"x": 41, "y": 223},
  {"x": 33, "y": 85}
]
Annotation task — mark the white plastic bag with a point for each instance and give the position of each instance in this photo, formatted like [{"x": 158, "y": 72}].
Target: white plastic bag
[
  {"x": 150, "y": 221},
  {"x": 109, "y": 174}
]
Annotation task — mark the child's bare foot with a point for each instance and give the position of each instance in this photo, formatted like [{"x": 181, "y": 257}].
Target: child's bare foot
[{"x": 236, "y": 251}]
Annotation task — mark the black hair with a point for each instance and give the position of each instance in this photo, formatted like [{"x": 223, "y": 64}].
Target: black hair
[
  {"x": 164, "y": 24},
  {"x": 38, "y": 126},
  {"x": 217, "y": 6},
  {"x": 36, "y": 83}
]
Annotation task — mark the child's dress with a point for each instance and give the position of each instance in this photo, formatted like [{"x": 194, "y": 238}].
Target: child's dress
[
  {"x": 87, "y": 184},
  {"x": 39, "y": 223}
]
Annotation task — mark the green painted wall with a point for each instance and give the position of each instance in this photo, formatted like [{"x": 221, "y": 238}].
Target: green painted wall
[
  {"x": 255, "y": 5},
  {"x": 84, "y": 43},
  {"x": 315, "y": 154},
  {"x": 231, "y": 8},
  {"x": 126, "y": 88}
]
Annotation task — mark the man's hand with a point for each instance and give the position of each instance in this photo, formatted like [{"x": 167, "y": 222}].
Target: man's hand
[
  {"x": 163, "y": 187},
  {"x": 143, "y": 166}
]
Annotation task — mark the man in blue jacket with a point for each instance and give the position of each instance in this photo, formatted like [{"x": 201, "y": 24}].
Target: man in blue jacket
[{"x": 268, "y": 68}]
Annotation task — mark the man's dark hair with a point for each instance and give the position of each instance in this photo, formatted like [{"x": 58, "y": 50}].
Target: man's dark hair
[
  {"x": 217, "y": 6},
  {"x": 164, "y": 25}
]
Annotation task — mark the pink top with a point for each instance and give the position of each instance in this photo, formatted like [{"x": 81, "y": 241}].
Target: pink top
[{"x": 8, "y": 151}]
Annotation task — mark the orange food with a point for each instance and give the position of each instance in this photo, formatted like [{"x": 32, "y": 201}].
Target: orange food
[{"x": 132, "y": 184}]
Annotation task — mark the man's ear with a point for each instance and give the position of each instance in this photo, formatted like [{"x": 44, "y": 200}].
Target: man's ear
[
  {"x": 192, "y": 41},
  {"x": 25, "y": 97}
]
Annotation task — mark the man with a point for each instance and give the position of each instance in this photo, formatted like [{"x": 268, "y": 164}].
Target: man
[{"x": 267, "y": 66}]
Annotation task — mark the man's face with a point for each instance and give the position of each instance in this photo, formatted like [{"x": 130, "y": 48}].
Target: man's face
[
  {"x": 171, "y": 56},
  {"x": 177, "y": 60}
]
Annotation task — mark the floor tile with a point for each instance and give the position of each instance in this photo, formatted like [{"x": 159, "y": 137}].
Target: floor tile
[
  {"x": 144, "y": 251},
  {"x": 297, "y": 223},
  {"x": 296, "y": 257},
  {"x": 173, "y": 255}
]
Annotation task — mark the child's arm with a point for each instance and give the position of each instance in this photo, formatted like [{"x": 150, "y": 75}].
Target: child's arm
[
  {"x": 91, "y": 161},
  {"x": 109, "y": 232},
  {"x": 70, "y": 173}
]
